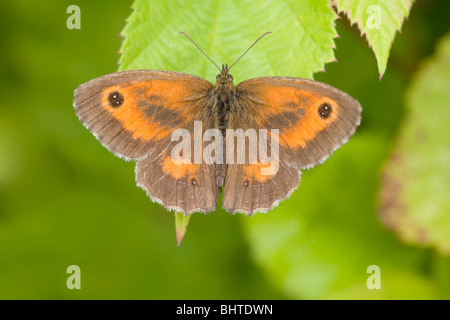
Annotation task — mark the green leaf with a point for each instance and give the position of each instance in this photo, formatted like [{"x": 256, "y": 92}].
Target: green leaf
[
  {"x": 301, "y": 42},
  {"x": 181, "y": 223},
  {"x": 379, "y": 20},
  {"x": 415, "y": 200}
]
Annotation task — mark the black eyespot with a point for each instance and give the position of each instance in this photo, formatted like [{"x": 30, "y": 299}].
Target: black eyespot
[
  {"x": 194, "y": 182},
  {"x": 246, "y": 183},
  {"x": 229, "y": 77},
  {"x": 115, "y": 99},
  {"x": 325, "y": 110}
]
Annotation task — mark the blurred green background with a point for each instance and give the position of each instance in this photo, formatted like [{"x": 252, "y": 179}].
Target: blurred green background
[{"x": 65, "y": 200}]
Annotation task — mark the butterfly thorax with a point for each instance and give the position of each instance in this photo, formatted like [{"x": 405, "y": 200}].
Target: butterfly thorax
[{"x": 224, "y": 93}]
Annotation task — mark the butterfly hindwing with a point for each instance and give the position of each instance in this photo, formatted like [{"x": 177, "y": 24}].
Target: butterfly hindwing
[
  {"x": 180, "y": 184},
  {"x": 254, "y": 181}
]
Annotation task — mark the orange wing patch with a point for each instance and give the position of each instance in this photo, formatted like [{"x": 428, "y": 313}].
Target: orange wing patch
[
  {"x": 148, "y": 109},
  {"x": 312, "y": 122},
  {"x": 259, "y": 172},
  {"x": 299, "y": 114},
  {"x": 179, "y": 169}
]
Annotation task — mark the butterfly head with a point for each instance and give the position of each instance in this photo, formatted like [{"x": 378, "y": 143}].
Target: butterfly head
[
  {"x": 224, "y": 77},
  {"x": 224, "y": 84}
]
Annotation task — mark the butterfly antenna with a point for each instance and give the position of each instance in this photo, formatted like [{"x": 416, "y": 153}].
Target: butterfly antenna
[
  {"x": 265, "y": 34},
  {"x": 200, "y": 49}
]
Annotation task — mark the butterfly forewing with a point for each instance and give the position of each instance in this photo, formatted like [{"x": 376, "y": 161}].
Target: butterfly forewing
[{"x": 313, "y": 118}]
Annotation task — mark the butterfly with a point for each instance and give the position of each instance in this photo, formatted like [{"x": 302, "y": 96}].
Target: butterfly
[{"x": 142, "y": 115}]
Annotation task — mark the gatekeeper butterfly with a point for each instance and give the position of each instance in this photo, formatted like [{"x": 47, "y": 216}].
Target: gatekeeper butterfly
[{"x": 136, "y": 113}]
